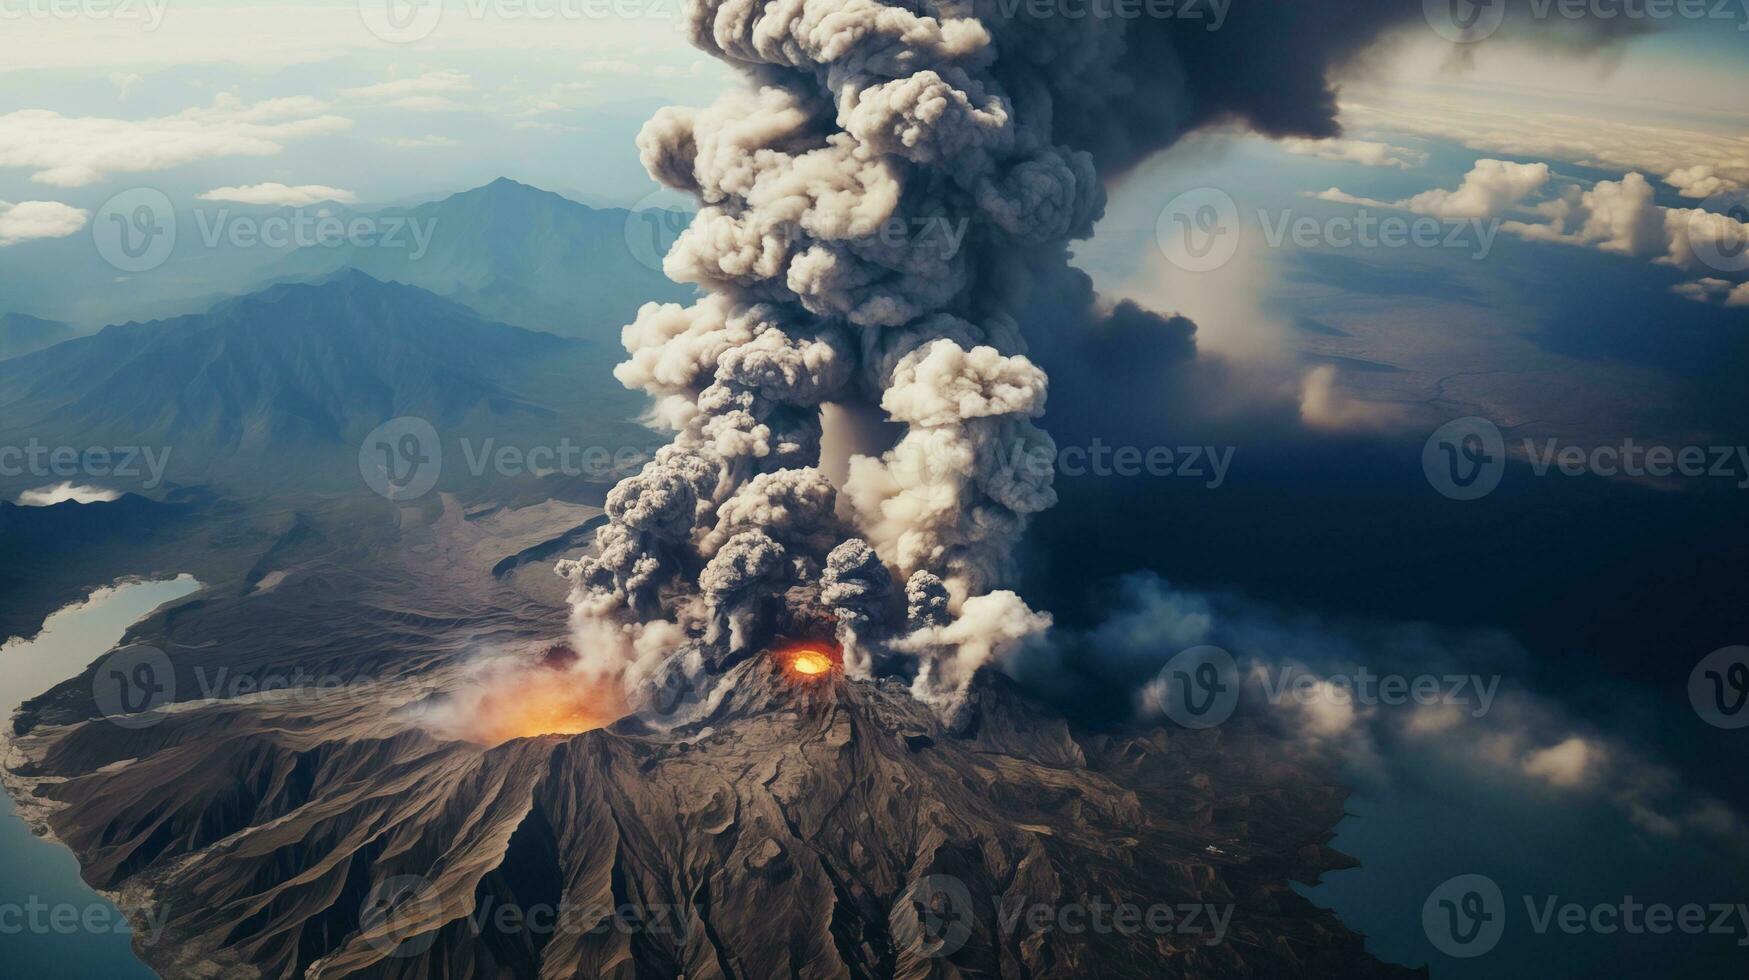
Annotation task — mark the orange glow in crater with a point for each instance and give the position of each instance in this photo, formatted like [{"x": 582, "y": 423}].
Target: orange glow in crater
[{"x": 808, "y": 661}]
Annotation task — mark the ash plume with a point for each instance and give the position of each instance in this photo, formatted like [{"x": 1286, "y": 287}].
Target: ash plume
[{"x": 865, "y": 122}]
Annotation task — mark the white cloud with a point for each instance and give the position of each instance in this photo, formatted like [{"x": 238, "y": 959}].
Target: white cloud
[
  {"x": 1615, "y": 216},
  {"x": 1702, "y": 240},
  {"x": 125, "y": 81},
  {"x": 280, "y": 194},
  {"x": 30, "y": 220},
  {"x": 1619, "y": 216},
  {"x": 1697, "y": 162},
  {"x": 73, "y": 151},
  {"x": 266, "y": 36},
  {"x": 1708, "y": 289},
  {"x": 1307, "y": 672},
  {"x": 1491, "y": 189},
  {"x": 62, "y": 492},
  {"x": 1337, "y": 195},
  {"x": 423, "y": 93},
  {"x": 419, "y": 142},
  {"x": 1566, "y": 765},
  {"x": 1701, "y": 180},
  {"x": 1367, "y": 153}
]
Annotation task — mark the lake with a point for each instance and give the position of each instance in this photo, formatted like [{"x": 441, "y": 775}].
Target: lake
[{"x": 51, "y": 923}]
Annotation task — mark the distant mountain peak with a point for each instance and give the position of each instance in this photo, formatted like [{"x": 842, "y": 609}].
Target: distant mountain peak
[
  {"x": 21, "y": 333},
  {"x": 504, "y": 188},
  {"x": 516, "y": 254},
  {"x": 350, "y": 284}
]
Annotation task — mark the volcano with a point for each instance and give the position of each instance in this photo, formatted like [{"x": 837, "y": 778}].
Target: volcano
[{"x": 832, "y": 829}]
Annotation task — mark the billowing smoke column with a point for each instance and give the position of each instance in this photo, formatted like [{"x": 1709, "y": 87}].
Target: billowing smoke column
[
  {"x": 864, "y": 217},
  {"x": 873, "y": 213}
]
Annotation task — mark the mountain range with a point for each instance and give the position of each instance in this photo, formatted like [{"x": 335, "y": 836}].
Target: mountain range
[
  {"x": 23, "y": 334},
  {"x": 259, "y": 385},
  {"x": 519, "y": 254},
  {"x": 513, "y": 253}
]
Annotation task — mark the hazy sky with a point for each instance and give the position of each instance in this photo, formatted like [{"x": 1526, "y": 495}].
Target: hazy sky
[{"x": 191, "y": 95}]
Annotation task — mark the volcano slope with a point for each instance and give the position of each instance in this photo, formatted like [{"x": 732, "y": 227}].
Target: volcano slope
[{"x": 825, "y": 827}]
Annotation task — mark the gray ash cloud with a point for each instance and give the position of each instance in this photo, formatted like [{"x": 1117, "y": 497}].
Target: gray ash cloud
[{"x": 995, "y": 120}]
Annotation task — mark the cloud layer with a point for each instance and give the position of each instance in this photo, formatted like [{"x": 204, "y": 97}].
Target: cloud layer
[
  {"x": 30, "y": 220},
  {"x": 75, "y": 151}
]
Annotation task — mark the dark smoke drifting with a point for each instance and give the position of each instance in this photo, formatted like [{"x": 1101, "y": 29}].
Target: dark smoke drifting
[{"x": 874, "y": 214}]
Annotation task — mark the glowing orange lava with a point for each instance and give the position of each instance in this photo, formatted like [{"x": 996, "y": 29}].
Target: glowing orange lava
[
  {"x": 809, "y": 661},
  {"x": 555, "y": 706}
]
